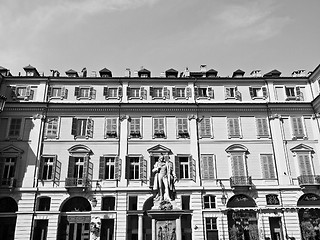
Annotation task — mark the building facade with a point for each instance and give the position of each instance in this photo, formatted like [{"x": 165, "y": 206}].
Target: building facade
[{"x": 76, "y": 150}]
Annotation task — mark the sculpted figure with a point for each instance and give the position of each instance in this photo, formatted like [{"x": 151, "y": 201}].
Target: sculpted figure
[{"x": 164, "y": 179}]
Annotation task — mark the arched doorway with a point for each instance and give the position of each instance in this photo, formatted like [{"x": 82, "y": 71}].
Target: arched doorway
[
  {"x": 309, "y": 216},
  {"x": 242, "y": 218},
  {"x": 75, "y": 219},
  {"x": 8, "y": 222}
]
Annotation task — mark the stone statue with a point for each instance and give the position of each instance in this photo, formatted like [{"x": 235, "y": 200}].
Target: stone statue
[
  {"x": 164, "y": 179},
  {"x": 95, "y": 227}
]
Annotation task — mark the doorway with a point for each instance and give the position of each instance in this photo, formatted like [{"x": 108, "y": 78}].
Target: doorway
[{"x": 276, "y": 228}]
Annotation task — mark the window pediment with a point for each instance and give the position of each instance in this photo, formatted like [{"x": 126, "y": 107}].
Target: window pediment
[
  {"x": 302, "y": 148},
  {"x": 159, "y": 149},
  {"x": 11, "y": 150},
  {"x": 82, "y": 149},
  {"x": 237, "y": 148}
]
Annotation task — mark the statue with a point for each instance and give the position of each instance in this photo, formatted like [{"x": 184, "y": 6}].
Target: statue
[
  {"x": 164, "y": 179},
  {"x": 95, "y": 227}
]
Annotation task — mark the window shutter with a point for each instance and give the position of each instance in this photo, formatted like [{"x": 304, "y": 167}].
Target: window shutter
[
  {"x": 177, "y": 166},
  {"x": 211, "y": 167},
  {"x": 251, "y": 92},
  {"x": 298, "y": 91},
  {"x": 74, "y": 127},
  {"x": 299, "y": 94},
  {"x": 166, "y": 92},
  {"x": 117, "y": 168},
  {"x": 297, "y": 127},
  {"x": 89, "y": 128},
  {"x": 102, "y": 167},
  {"x": 76, "y": 91},
  {"x": 152, "y": 163},
  {"x": 120, "y": 92},
  {"x": 127, "y": 167},
  {"x": 233, "y": 127},
  {"x": 28, "y": 91},
  {"x": 143, "y": 93},
  {"x": 237, "y": 165},
  {"x": 196, "y": 92},
  {"x": 192, "y": 167},
  {"x": 143, "y": 169},
  {"x": 128, "y": 92},
  {"x": 174, "y": 92},
  {"x": 204, "y": 167},
  {"x": 151, "y": 92},
  {"x": 105, "y": 92},
  {"x": 49, "y": 93},
  {"x": 57, "y": 171},
  {"x": 304, "y": 164},
  {"x": 85, "y": 167},
  {"x": 238, "y": 94},
  {"x": 92, "y": 93},
  {"x": 210, "y": 92},
  {"x": 13, "y": 92},
  {"x": 207, "y": 126},
  {"x": 267, "y": 167},
  {"x": 64, "y": 93},
  {"x": 262, "y": 127},
  {"x": 188, "y": 92},
  {"x": 227, "y": 93},
  {"x": 71, "y": 167},
  {"x": 41, "y": 164},
  {"x": 264, "y": 92}
]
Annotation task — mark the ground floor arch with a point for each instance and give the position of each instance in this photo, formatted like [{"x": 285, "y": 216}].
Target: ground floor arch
[{"x": 8, "y": 218}]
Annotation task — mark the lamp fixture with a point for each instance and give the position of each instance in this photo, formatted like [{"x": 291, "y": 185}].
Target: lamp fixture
[
  {"x": 224, "y": 196},
  {"x": 94, "y": 202}
]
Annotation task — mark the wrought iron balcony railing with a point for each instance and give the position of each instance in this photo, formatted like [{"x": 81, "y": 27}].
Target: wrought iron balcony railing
[
  {"x": 309, "y": 180},
  {"x": 8, "y": 182},
  {"x": 240, "y": 181},
  {"x": 77, "y": 183}
]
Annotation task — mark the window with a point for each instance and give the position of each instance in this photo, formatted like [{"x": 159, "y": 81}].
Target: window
[
  {"x": 298, "y": 128},
  {"x": 15, "y": 128},
  {"x": 238, "y": 165},
  {"x": 85, "y": 92},
  {"x": 294, "y": 93},
  {"x": 112, "y": 92},
  {"x": 135, "y": 128},
  {"x": 159, "y": 92},
  {"x": 7, "y": 170},
  {"x": 181, "y": 92},
  {"x": 108, "y": 203},
  {"x": 305, "y": 165},
  {"x": 234, "y": 128},
  {"x": 232, "y": 92},
  {"x": 82, "y": 127},
  {"x": 209, "y": 201},
  {"x": 79, "y": 171},
  {"x": 182, "y": 128},
  {"x": 201, "y": 92},
  {"x": 22, "y": 92},
  {"x": 262, "y": 127},
  {"x": 111, "y": 128},
  {"x": 258, "y": 92},
  {"x": 272, "y": 199},
  {"x": 57, "y": 92},
  {"x": 205, "y": 129},
  {"x": 133, "y": 203},
  {"x": 211, "y": 228},
  {"x": 50, "y": 169},
  {"x": 40, "y": 229},
  {"x": 185, "y": 202},
  {"x": 136, "y": 168},
  {"x": 137, "y": 93},
  {"x": 207, "y": 166},
  {"x": 159, "y": 128},
  {"x": 185, "y": 167},
  {"x": 109, "y": 167},
  {"x": 51, "y": 128},
  {"x": 267, "y": 166},
  {"x": 43, "y": 204}
]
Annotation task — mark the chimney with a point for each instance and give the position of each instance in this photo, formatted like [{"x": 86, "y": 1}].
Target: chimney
[
  {"x": 299, "y": 73},
  {"x": 203, "y": 68},
  {"x": 186, "y": 72},
  {"x": 127, "y": 73},
  {"x": 256, "y": 73}
]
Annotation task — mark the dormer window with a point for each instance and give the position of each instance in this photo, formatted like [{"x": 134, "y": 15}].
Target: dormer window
[
  {"x": 31, "y": 71},
  {"x": 105, "y": 73},
  {"x": 238, "y": 73},
  {"x": 72, "y": 73},
  {"x": 171, "y": 73},
  {"x": 144, "y": 73}
]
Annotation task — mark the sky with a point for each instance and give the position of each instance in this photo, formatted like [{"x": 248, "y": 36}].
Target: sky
[{"x": 226, "y": 35}]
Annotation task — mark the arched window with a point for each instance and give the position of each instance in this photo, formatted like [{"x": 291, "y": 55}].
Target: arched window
[{"x": 76, "y": 204}]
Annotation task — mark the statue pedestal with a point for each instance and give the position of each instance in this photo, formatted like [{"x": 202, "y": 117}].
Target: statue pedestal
[{"x": 166, "y": 222}]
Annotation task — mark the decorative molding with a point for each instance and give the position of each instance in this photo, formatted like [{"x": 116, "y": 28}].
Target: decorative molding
[
  {"x": 316, "y": 115},
  {"x": 193, "y": 116},
  {"x": 274, "y": 116},
  {"x": 123, "y": 117}
]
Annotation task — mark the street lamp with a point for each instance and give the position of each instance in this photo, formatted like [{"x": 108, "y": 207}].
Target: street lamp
[
  {"x": 2, "y": 102},
  {"x": 223, "y": 197}
]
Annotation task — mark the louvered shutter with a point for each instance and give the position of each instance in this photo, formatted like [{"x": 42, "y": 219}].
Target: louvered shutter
[
  {"x": 92, "y": 93},
  {"x": 233, "y": 127},
  {"x": 152, "y": 163},
  {"x": 300, "y": 96},
  {"x": 192, "y": 167},
  {"x": 188, "y": 92},
  {"x": 127, "y": 167},
  {"x": 196, "y": 92},
  {"x": 49, "y": 93},
  {"x": 264, "y": 92},
  {"x": 207, "y": 124},
  {"x": 76, "y": 91},
  {"x": 251, "y": 92},
  {"x": 74, "y": 127},
  {"x": 89, "y": 128},
  {"x": 128, "y": 92},
  {"x": 28, "y": 91},
  {"x": 227, "y": 93},
  {"x": 117, "y": 168},
  {"x": 105, "y": 92},
  {"x": 102, "y": 167},
  {"x": 305, "y": 164},
  {"x": 265, "y": 167},
  {"x": 64, "y": 93},
  {"x": 13, "y": 92},
  {"x": 166, "y": 93},
  {"x": 143, "y": 93},
  {"x": 120, "y": 92},
  {"x": 174, "y": 92},
  {"x": 57, "y": 171},
  {"x": 238, "y": 94},
  {"x": 297, "y": 127},
  {"x": 210, "y": 92},
  {"x": 71, "y": 167},
  {"x": 41, "y": 165},
  {"x": 298, "y": 91},
  {"x": 204, "y": 167},
  {"x": 143, "y": 169},
  {"x": 262, "y": 126},
  {"x": 177, "y": 166},
  {"x": 237, "y": 166},
  {"x": 85, "y": 168},
  {"x": 211, "y": 167},
  {"x": 151, "y": 92}
]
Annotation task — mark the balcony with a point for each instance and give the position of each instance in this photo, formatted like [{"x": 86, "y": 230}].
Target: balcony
[
  {"x": 309, "y": 180},
  {"x": 77, "y": 183},
  {"x": 241, "y": 181},
  {"x": 8, "y": 183}
]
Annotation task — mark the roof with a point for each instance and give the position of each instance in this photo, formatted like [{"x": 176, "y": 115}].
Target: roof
[
  {"x": 273, "y": 73},
  {"x": 29, "y": 67},
  {"x": 71, "y": 71},
  {"x": 104, "y": 70},
  {"x": 238, "y": 72},
  {"x": 171, "y": 70},
  {"x": 143, "y": 70},
  {"x": 2, "y": 68},
  {"x": 212, "y": 71}
]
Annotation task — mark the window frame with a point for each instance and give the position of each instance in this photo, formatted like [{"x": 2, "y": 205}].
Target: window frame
[
  {"x": 139, "y": 168},
  {"x": 159, "y": 133},
  {"x": 189, "y": 165},
  {"x": 47, "y": 124},
  {"x": 103, "y": 167},
  {"x": 209, "y": 201},
  {"x": 118, "y": 91},
  {"x": 185, "y": 131},
  {"x": 28, "y": 93},
  {"x": 201, "y": 135},
  {"x": 254, "y": 95},
  {"x": 232, "y": 92},
  {"x": 84, "y": 130},
  {"x": 135, "y": 133},
  {"x": 270, "y": 165},
  {"x": 235, "y": 135},
  {"x": 18, "y": 136},
  {"x": 91, "y": 92},
  {"x": 208, "y": 173},
  {"x": 63, "y": 92},
  {"x": 264, "y": 131},
  {"x": 113, "y": 133}
]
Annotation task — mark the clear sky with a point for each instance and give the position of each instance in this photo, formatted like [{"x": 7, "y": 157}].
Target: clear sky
[{"x": 160, "y": 34}]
